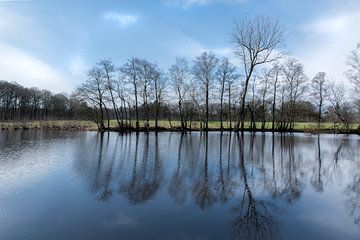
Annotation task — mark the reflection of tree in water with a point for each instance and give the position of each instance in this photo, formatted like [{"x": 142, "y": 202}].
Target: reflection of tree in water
[
  {"x": 294, "y": 183},
  {"x": 316, "y": 180},
  {"x": 224, "y": 184},
  {"x": 272, "y": 187},
  {"x": 208, "y": 171},
  {"x": 255, "y": 220},
  {"x": 352, "y": 193},
  {"x": 144, "y": 182},
  {"x": 335, "y": 173},
  {"x": 177, "y": 188},
  {"x": 107, "y": 191},
  {"x": 203, "y": 191},
  {"x": 103, "y": 169}
]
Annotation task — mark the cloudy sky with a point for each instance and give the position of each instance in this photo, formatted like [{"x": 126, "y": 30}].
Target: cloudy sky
[{"x": 50, "y": 44}]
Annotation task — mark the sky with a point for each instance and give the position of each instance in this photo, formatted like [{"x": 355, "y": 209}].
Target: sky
[{"x": 51, "y": 44}]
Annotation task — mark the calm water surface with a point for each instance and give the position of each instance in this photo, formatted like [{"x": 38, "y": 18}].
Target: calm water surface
[{"x": 86, "y": 185}]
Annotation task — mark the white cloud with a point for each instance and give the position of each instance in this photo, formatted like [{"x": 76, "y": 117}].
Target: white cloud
[
  {"x": 329, "y": 25},
  {"x": 123, "y": 19},
  {"x": 30, "y": 71},
  {"x": 191, "y": 48},
  {"x": 190, "y": 3},
  {"x": 328, "y": 41},
  {"x": 27, "y": 45}
]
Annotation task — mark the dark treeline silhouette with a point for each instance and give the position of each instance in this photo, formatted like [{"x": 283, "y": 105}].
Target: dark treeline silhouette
[
  {"x": 21, "y": 103},
  {"x": 265, "y": 89}
]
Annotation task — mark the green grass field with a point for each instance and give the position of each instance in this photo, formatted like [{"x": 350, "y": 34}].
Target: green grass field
[{"x": 78, "y": 125}]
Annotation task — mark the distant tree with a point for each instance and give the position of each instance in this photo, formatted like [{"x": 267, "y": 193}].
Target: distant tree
[
  {"x": 353, "y": 62},
  {"x": 158, "y": 80},
  {"x": 179, "y": 75},
  {"x": 145, "y": 70},
  {"x": 256, "y": 40},
  {"x": 108, "y": 71},
  {"x": 275, "y": 73},
  {"x": 226, "y": 74},
  {"x": 230, "y": 88},
  {"x": 294, "y": 86},
  {"x": 204, "y": 72},
  {"x": 123, "y": 94},
  {"x": 130, "y": 70},
  {"x": 253, "y": 103},
  {"x": 195, "y": 98},
  {"x": 353, "y": 74},
  {"x": 342, "y": 109},
  {"x": 265, "y": 82},
  {"x": 93, "y": 91},
  {"x": 319, "y": 88},
  {"x": 46, "y": 102},
  {"x": 60, "y": 104}
]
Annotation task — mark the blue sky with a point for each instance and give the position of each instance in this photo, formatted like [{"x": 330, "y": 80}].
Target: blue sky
[{"x": 50, "y": 44}]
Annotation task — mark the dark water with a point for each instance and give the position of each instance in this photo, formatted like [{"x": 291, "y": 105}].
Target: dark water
[{"x": 85, "y": 185}]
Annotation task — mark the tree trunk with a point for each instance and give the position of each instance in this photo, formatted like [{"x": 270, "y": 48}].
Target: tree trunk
[
  {"x": 136, "y": 104},
  {"x": 181, "y": 115},
  {"x": 229, "y": 109},
  {"x": 273, "y": 110},
  {"x": 113, "y": 101},
  {"x": 319, "y": 114},
  {"x": 242, "y": 109},
  {"x": 221, "y": 103},
  {"x": 156, "y": 105},
  {"x": 207, "y": 106}
]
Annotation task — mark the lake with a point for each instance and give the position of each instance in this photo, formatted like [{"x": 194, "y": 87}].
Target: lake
[{"x": 87, "y": 185}]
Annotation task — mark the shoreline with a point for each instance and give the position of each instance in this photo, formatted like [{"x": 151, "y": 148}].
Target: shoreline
[{"x": 84, "y": 125}]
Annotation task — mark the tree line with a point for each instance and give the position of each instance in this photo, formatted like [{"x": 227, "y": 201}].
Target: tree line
[
  {"x": 265, "y": 88},
  {"x": 21, "y": 103},
  {"x": 268, "y": 87}
]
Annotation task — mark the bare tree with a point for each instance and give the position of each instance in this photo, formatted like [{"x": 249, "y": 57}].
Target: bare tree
[
  {"x": 225, "y": 75},
  {"x": 158, "y": 80},
  {"x": 145, "y": 70},
  {"x": 255, "y": 40},
  {"x": 179, "y": 81},
  {"x": 108, "y": 71},
  {"x": 294, "y": 79},
  {"x": 265, "y": 85},
  {"x": 204, "y": 72},
  {"x": 319, "y": 92},
  {"x": 252, "y": 104},
  {"x": 353, "y": 74},
  {"x": 274, "y": 79},
  {"x": 353, "y": 61},
  {"x": 195, "y": 98},
  {"x": 342, "y": 109},
  {"x": 123, "y": 96},
  {"x": 131, "y": 73},
  {"x": 230, "y": 84},
  {"x": 93, "y": 91}
]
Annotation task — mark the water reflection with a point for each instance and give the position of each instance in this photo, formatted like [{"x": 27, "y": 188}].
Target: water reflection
[
  {"x": 257, "y": 176},
  {"x": 178, "y": 186},
  {"x": 255, "y": 216}
]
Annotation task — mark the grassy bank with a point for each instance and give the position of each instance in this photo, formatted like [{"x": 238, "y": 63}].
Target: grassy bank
[
  {"x": 83, "y": 125},
  {"x": 80, "y": 125}
]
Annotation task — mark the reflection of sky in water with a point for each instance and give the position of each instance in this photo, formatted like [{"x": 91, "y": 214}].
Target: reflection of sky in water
[{"x": 86, "y": 185}]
